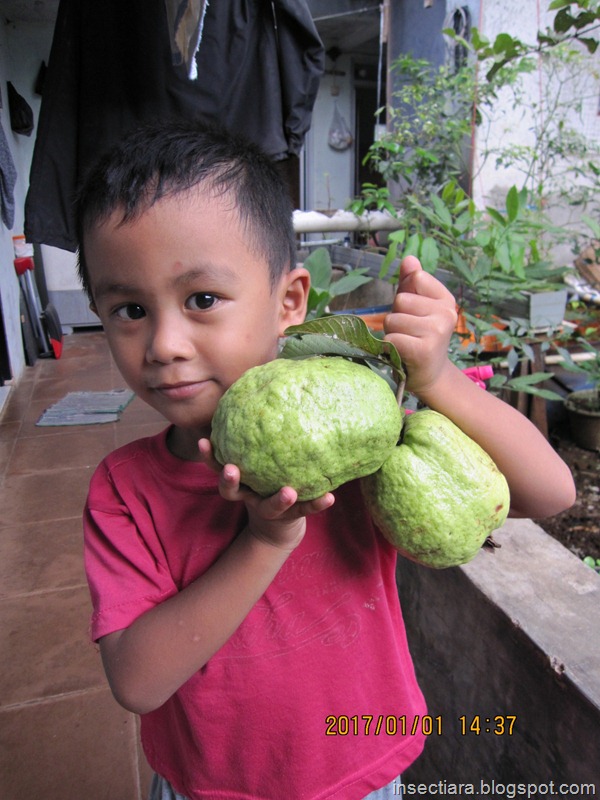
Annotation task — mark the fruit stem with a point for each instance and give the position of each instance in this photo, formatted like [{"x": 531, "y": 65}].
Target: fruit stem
[{"x": 400, "y": 392}]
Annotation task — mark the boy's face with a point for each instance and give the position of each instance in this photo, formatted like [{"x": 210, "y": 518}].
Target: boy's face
[{"x": 186, "y": 306}]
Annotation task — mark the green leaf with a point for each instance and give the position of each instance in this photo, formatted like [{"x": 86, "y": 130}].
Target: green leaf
[
  {"x": 463, "y": 222},
  {"x": 504, "y": 43},
  {"x": 441, "y": 210},
  {"x": 529, "y": 380},
  {"x": 563, "y": 21},
  {"x": 430, "y": 254},
  {"x": 512, "y": 203},
  {"x": 503, "y": 256},
  {"x": 590, "y": 44},
  {"x": 318, "y": 263},
  {"x": 546, "y": 394},
  {"x": 317, "y": 302},
  {"x": 496, "y": 216},
  {"x": 593, "y": 225},
  {"x": 349, "y": 282},
  {"x": 343, "y": 335},
  {"x": 390, "y": 257},
  {"x": 413, "y": 245},
  {"x": 461, "y": 266}
]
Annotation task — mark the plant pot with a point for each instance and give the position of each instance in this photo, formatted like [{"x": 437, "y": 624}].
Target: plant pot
[
  {"x": 540, "y": 309},
  {"x": 583, "y": 419}
]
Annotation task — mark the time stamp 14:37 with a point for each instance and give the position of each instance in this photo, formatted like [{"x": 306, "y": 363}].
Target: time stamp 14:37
[{"x": 392, "y": 725}]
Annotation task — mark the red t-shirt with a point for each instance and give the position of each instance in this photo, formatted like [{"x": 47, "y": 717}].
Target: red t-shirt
[{"x": 315, "y": 694}]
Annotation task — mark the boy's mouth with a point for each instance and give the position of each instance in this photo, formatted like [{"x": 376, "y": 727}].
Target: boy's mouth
[{"x": 180, "y": 390}]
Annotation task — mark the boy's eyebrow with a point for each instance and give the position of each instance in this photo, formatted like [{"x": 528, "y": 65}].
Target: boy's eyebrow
[{"x": 206, "y": 272}]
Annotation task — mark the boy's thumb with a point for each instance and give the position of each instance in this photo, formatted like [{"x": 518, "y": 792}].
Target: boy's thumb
[{"x": 409, "y": 265}]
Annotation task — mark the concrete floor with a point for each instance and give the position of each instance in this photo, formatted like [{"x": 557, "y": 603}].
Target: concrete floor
[{"x": 62, "y": 736}]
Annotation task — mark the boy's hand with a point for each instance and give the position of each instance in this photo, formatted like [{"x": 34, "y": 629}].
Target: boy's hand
[
  {"x": 278, "y": 520},
  {"x": 420, "y": 325}
]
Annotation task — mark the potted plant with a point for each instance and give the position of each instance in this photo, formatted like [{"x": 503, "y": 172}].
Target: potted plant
[
  {"x": 583, "y": 405},
  {"x": 325, "y": 285},
  {"x": 489, "y": 258}
]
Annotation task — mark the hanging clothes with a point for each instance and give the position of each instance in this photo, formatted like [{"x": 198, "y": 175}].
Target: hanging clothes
[
  {"x": 111, "y": 69},
  {"x": 186, "y": 20},
  {"x": 8, "y": 179}
]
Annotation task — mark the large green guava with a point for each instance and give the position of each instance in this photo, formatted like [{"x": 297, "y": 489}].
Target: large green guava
[
  {"x": 312, "y": 424},
  {"x": 439, "y": 495}
]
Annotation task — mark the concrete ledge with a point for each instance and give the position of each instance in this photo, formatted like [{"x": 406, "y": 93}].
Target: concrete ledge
[{"x": 515, "y": 632}]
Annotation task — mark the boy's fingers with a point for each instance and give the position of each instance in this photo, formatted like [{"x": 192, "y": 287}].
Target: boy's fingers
[
  {"x": 276, "y": 505},
  {"x": 207, "y": 456},
  {"x": 409, "y": 265},
  {"x": 319, "y": 504},
  {"x": 419, "y": 282},
  {"x": 229, "y": 482},
  {"x": 284, "y": 503}
]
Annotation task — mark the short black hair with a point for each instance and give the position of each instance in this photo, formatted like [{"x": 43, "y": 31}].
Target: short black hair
[{"x": 168, "y": 158}]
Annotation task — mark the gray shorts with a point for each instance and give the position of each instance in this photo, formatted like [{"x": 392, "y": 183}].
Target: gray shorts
[{"x": 162, "y": 790}]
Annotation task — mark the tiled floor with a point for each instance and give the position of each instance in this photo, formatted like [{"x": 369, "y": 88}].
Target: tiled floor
[{"x": 62, "y": 736}]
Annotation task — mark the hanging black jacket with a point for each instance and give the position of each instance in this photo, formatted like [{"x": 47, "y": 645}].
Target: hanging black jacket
[{"x": 111, "y": 69}]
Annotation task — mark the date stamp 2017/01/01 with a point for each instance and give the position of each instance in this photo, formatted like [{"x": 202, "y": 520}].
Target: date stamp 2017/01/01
[{"x": 426, "y": 725}]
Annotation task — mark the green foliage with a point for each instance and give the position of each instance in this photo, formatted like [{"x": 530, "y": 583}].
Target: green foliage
[
  {"x": 428, "y": 120},
  {"x": 499, "y": 251},
  {"x": 347, "y": 336},
  {"x": 372, "y": 198},
  {"x": 589, "y": 367},
  {"x": 574, "y": 22},
  {"x": 488, "y": 250},
  {"x": 323, "y": 287},
  {"x": 556, "y": 161},
  {"x": 592, "y": 562},
  {"x": 516, "y": 341}
]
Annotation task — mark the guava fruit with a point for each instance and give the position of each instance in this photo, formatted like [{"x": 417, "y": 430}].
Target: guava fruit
[
  {"x": 439, "y": 495},
  {"x": 312, "y": 424}
]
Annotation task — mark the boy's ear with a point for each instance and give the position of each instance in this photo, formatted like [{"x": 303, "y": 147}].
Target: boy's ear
[{"x": 294, "y": 298}]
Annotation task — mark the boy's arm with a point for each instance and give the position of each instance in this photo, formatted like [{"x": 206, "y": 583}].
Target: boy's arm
[
  {"x": 148, "y": 661},
  {"x": 420, "y": 325}
]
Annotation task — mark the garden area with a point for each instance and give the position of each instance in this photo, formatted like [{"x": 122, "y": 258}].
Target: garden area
[
  {"x": 578, "y": 528},
  {"x": 522, "y": 260}
]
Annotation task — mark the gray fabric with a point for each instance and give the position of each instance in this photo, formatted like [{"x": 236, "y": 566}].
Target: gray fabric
[
  {"x": 392, "y": 789},
  {"x": 162, "y": 790},
  {"x": 8, "y": 178}
]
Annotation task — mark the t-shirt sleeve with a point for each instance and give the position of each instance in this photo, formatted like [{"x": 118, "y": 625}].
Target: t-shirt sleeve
[{"x": 124, "y": 561}]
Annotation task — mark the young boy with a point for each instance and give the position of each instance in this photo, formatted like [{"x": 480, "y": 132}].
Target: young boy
[{"x": 250, "y": 633}]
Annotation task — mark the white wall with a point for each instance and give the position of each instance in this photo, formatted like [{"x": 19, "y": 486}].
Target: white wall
[
  {"x": 523, "y": 19},
  {"x": 23, "y": 46}
]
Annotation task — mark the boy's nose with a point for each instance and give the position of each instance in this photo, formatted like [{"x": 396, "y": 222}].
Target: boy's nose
[{"x": 169, "y": 341}]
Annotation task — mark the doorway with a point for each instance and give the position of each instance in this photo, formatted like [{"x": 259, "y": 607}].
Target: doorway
[{"x": 367, "y": 99}]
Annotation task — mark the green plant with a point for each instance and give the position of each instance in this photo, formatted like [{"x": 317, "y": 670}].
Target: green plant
[
  {"x": 324, "y": 286},
  {"x": 577, "y": 21},
  {"x": 553, "y": 159},
  {"x": 488, "y": 251},
  {"x": 592, "y": 562},
  {"x": 372, "y": 198},
  {"x": 516, "y": 345},
  {"x": 588, "y": 366},
  {"x": 484, "y": 256},
  {"x": 428, "y": 121}
]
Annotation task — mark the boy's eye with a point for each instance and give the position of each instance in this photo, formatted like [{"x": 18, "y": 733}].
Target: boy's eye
[
  {"x": 200, "y": 301},
  {"x": 130, "y": 311}
]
